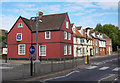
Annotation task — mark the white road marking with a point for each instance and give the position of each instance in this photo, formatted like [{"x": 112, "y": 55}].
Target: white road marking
[
  {"x": 103, "y": 68},
  {"x": 6, "y": 67},
  {"x": 116, "y": 69},
  {"x": 71, "y": 73},
  {"x": 60, "y": 76},
  {"x": 91, "y": 67},
  {"x": 110, "y": 75}
]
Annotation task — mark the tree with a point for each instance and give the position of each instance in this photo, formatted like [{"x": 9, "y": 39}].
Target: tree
[
  {"x": 3, "y": 37},
  {"x": 112, "y": 32}
]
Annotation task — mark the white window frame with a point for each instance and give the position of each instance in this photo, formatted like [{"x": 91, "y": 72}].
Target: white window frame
[
  {"x": 40, "y": 50},
  {"x": 67, "y": 24},
  {"x": 65, "y": 35},
  {"x": 69, "y": 50},
  {"x": 20, "y": 24},
  {"x": 69, "y": 36},
  {"x": 65, "y": 48},
  {"x": 17, "y": 34},
  {"x": 19, "y": 49},
  {"x": 103, "y": 49},
  {"x": 48, "y": 34},
  {"x": 100, "y": 49}
]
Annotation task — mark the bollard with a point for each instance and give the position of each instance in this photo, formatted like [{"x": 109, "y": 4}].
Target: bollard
[{"x": 86, "y": 59}]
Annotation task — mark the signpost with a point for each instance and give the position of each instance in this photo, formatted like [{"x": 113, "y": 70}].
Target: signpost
[{"x": 31, "y": 50}]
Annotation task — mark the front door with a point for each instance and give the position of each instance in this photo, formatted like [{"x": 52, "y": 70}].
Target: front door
[{"x": 90, "y": 52}]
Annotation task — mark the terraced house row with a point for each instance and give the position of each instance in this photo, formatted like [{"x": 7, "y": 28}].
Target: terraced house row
[
  {"x": 98, "y": 44},
  {"x": 57, "y": 38}
]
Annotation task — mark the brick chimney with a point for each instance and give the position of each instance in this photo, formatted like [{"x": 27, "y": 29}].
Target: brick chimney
[{"x": 40, "y": 14}]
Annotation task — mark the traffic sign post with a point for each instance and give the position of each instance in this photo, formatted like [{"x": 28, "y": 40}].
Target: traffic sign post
[{"x": 31, "y": 50}]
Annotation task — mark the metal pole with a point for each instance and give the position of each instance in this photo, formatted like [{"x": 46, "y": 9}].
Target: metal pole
[
  {"x": 31, "y": 68},
  {"x": 37, "y": 38},
  {"x": 87, "y": 49},
  {"x": 37, "y": 62}
]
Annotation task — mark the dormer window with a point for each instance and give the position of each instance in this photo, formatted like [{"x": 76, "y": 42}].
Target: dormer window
[
  {"x": 20, "y": 25},
  {"x": 67, "y": 25}
]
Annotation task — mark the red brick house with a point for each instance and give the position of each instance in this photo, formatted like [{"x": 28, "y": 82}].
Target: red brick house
[
  {"x": 95, "y": 43},
  {"x": 55, "y": 37},
  {"x": 108, "y": 50}
]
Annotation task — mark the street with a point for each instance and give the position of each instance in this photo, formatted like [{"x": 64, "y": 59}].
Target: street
[{"x": 101, "y": 69}]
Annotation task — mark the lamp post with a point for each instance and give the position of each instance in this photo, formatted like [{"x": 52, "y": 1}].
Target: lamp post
[
  {"x": 37, "y": 61},
  {"x": 87, "y": 58}
]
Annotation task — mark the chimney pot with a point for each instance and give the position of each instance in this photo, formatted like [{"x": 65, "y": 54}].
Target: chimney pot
[{"x": 40, "y": 14}]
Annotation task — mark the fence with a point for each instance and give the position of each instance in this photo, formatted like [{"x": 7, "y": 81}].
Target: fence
[{"x": 54, "y": 66}]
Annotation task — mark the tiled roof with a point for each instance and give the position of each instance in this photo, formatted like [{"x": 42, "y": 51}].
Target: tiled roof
[
  {"x": 91, "y": 32},
  {"x": 85, "y": 34},
  {"x": 78, "y": 33},
  {"x": 105, "y": 36},
  {"x": 49, "y": 22}
]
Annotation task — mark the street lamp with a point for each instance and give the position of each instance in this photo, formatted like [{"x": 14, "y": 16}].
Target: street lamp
[
  {"x": 87, "y": 45},
  {"x": 37, "y": 61}
]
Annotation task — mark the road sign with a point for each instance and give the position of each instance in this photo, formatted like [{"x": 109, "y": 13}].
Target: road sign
[
  {"x": 31, "y": 55},
  {"x": 32, "y": 49}
]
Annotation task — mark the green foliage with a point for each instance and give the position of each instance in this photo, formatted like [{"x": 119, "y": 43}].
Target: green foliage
[
  {"x": 3, "y": 37},
  {"x": 112, "y": 32}
]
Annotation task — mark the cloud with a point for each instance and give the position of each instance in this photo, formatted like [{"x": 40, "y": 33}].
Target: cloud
[
  {"x": 7, "y": 21},
  {"x": 103, "y": 13},
  {"x": 24, "y": 5},
  {"x": 107, "y": 5},
  {"x": 91, "y": 20}
]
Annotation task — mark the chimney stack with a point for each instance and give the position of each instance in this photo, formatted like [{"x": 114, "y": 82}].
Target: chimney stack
[
  {"x": 91, "y": 29},
  {"x": 40, "y": 14}
]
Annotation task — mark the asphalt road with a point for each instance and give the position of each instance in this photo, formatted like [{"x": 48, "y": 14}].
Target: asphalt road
[{"x": 100, "y": 70}]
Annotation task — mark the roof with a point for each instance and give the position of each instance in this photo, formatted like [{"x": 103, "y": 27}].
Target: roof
[
  {"x": 49, "y": 22},
  {"x": 85, "y": 34},
  {"x": 91, "y": 32},
  {"x": 77, "y": 33},
  {"x": 71, "y": 24},
  {"x": 97, "y": 33},
  {"x": 105, "y": 36}
]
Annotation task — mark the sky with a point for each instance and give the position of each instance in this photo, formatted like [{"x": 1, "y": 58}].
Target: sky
[{"x": 85, "y": 14}]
